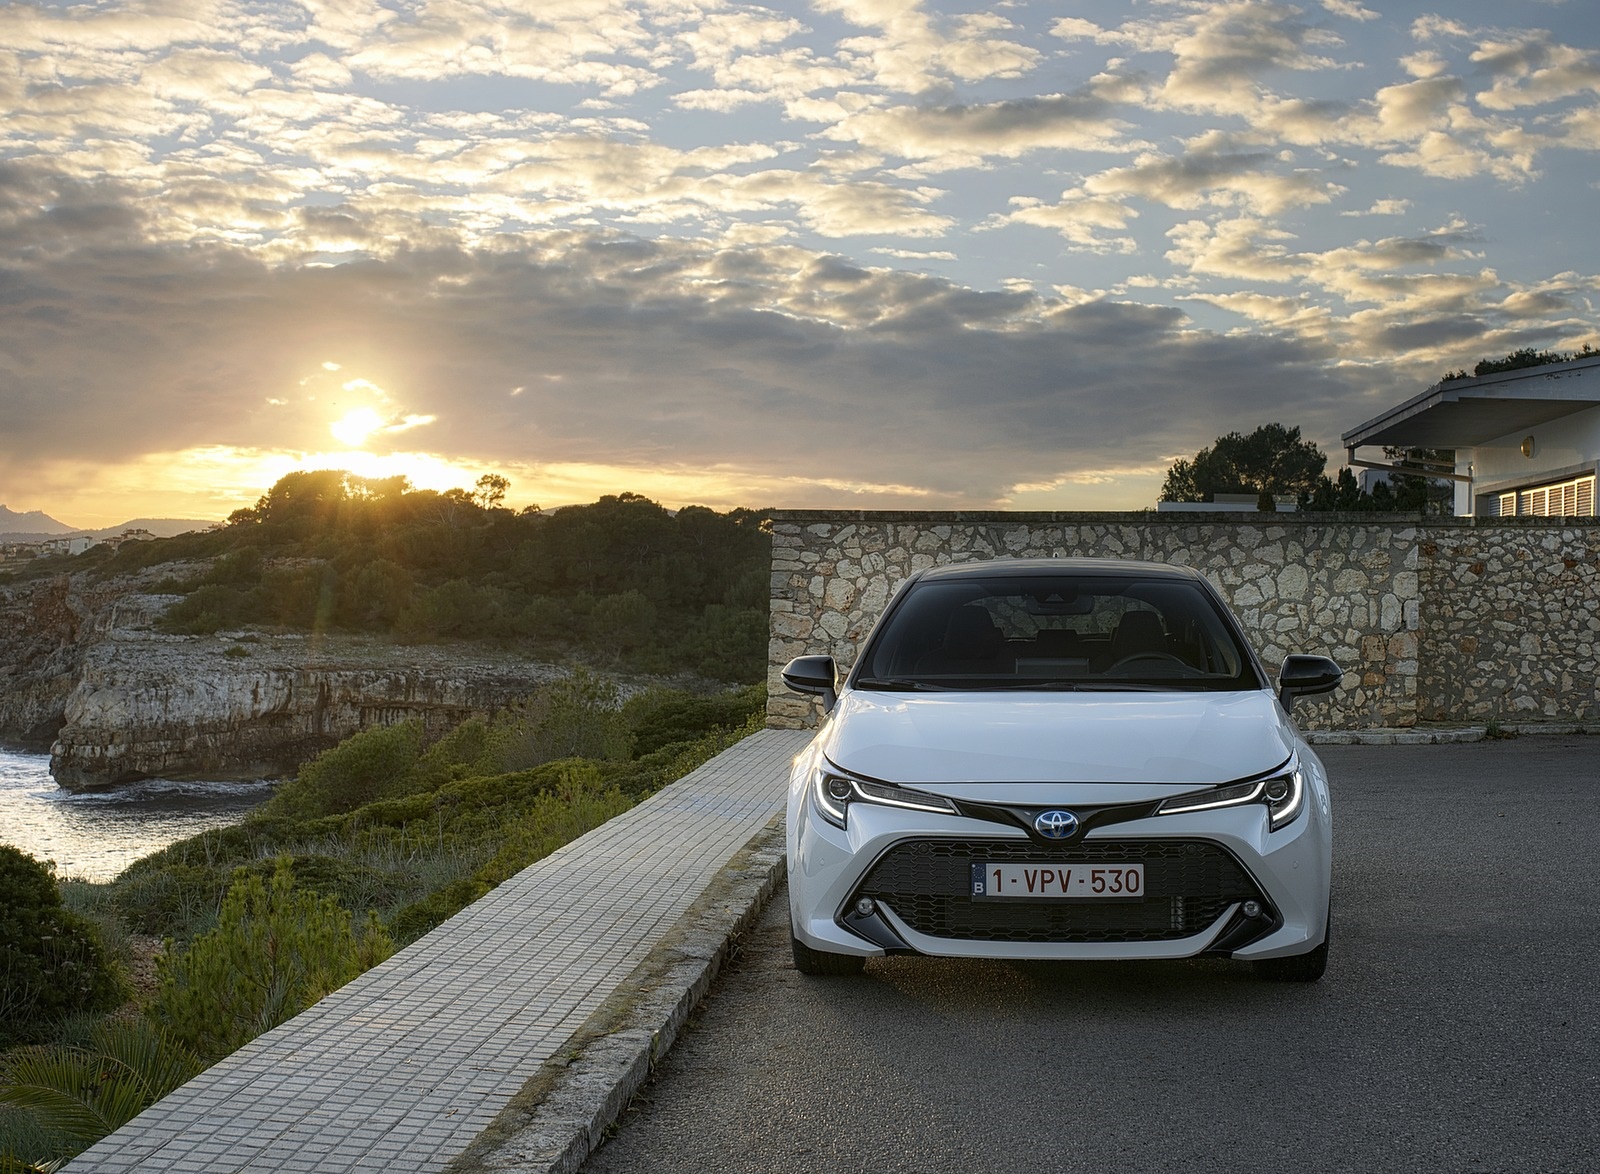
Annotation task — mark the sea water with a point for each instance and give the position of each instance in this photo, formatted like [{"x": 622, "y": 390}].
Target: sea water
[{"x": 95, "y": 835}]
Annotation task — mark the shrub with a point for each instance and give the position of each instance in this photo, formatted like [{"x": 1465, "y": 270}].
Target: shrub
[
  {"x": 661, "y": 717},
  {"x": 577, "y": 717},
  {"x": 274, "y": 952},
  {"x": 371, "y": 765},
  {"x": 51, "y": 960}
]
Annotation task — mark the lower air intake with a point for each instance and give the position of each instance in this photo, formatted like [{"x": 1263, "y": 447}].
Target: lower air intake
[{"x": 928, "y": 883}]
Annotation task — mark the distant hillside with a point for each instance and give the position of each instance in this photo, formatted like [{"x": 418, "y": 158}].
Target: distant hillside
[
  {"x": 31, "y": 523},
  {"x": 35, "y": 526},
  {"x": 160, "y": 527}
]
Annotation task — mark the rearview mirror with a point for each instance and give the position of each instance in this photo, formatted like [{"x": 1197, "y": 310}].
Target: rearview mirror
[
  {"x": 1302, "y": 676},
  {"x": 813, "y": 674}
]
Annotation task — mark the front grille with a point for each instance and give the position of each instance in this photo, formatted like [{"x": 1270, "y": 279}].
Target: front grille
[{"x": 1188, "y": 884}]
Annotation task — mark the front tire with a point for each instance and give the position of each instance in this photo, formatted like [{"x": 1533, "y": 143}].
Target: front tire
[{"x": 820, "y": 964}]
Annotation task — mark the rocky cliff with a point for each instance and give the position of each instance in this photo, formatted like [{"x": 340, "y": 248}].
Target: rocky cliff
[{"x": 83, "y": 670}]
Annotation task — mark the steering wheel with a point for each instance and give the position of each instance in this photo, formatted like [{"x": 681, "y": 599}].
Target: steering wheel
[{"x": 1152, "y": 659}]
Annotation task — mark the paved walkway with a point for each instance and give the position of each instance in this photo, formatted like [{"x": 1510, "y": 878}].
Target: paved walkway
[{"x": 402, "y": 1068}]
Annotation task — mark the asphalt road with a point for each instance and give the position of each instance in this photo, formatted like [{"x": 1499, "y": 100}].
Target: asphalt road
[{"x": 1456, "y": 1029}]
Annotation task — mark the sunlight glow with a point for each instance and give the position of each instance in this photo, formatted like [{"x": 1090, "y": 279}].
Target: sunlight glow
[{"x": 356, "y": 426}]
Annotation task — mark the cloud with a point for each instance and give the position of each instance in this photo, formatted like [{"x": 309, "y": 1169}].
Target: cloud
[
  {"x": 1427, "y": 297},
  {"x": 676, "y": 354},
  {"x": 912, "y": 53},
  {"x": 1350, "y": 10},
  {"x": 608, "y": 45},
  {"x": 1226, "y": 57},
  {"x": 963, "y": 135},
  {"x": 1209, "y": 175},
  {"x": 1081, "y": 219},
  {"x": 1389, "y": 207},
  {"x": 1533, "y": 70},
  {"x": 671, "y": 222},
  {"x": 1217, "y": 178},
  {"x": 1222, "y": 51}
]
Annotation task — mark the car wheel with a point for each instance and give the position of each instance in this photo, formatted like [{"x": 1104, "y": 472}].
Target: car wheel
[
  {"x": 821, "y": 963},
  {"x": 1297, "y": 967}
]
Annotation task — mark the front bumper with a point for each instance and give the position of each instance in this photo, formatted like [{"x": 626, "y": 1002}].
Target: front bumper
[{"x": 1202, "y": 870}]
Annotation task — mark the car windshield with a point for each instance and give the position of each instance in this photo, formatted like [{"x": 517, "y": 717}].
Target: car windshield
[{"x": 1067, "y": 632}]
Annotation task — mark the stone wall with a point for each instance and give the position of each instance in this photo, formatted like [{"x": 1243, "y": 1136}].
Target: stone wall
[{"x": 1452, "y": 619}]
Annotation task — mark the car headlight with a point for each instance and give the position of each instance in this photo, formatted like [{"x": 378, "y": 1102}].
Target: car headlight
[
  {"x": 1283, "y": 793},
  {"x": 832, "y": 792}
]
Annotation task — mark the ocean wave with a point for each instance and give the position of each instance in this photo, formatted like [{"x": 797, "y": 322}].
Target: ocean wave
[{"x": 163, "y": 789}]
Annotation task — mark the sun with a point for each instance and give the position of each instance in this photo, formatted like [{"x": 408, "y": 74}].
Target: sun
[{"x": 355, "y": 426}]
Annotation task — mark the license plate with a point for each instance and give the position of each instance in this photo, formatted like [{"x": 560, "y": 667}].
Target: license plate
[{"x": 1060, "y": 882}]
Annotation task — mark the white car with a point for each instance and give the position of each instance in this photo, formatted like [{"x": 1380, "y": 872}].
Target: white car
[{"x": 1061, "y": 758}]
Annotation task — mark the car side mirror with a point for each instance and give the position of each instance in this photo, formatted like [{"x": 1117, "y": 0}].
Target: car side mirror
[
  {"x": 813, "y": 674},
  {"x": 1302, "y": 676}
]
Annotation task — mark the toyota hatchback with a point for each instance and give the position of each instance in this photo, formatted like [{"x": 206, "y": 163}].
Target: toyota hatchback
[{"x": 1063, "y": 758}]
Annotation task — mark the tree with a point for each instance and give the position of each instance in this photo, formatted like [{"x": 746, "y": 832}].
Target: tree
[
  {"x": 1518, "y": 359},
  {"x": 1406, "y": 494},
  {"x": 491, "y": 491},
  {"x": 1420, "y": 492},
  {"x": 1271, "y": 460}
]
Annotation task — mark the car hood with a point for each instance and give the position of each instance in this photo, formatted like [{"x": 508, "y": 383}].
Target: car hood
[{"x": 1002, "y": 737}]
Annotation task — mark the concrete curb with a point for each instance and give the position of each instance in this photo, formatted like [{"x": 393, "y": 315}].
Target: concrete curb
[
  {"x": 1393, "y": 737},
  {"x": 1440, "y": 735},
  {"x": 564, "y": 1112}
]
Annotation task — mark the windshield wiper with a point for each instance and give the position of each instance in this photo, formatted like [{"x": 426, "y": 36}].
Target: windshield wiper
[
  {"x": 895, "y": 683},
  {"x": 1079, "y": 685}
]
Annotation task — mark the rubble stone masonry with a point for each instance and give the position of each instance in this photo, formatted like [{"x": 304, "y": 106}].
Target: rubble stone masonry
[{"x": 1437, "y": 620}]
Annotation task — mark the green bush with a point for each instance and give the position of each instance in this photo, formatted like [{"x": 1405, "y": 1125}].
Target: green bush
[
  {"x": 660, "y": 717},
  {"x": 275, "y": 951},
  {"x": 371, "y": 765},
  {"x": 579, "y": 716},
  {"x": 52, "y": 962}
]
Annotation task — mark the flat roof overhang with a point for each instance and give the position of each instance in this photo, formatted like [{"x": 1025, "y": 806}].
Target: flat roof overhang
[{"x": 1465, "y": 413}]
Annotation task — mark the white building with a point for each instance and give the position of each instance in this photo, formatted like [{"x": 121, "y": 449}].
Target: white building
[
  {"x": 73, "y": 544},
  {"x": 1526, "y": 442}
]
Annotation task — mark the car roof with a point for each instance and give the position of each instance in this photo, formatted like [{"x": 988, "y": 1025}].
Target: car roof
[{"x": 1044, "y": 567}]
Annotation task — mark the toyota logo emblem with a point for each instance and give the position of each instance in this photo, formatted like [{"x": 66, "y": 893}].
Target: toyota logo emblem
[{"x": 1055, "y": 825}]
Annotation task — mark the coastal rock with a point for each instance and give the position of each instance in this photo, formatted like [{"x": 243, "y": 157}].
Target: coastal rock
[
  {"x": 174, "y": 711},
  {"x": 83, "y": 672}
]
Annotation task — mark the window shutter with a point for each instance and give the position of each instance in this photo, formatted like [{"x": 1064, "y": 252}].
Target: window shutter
[{"x": 1568, "y": 499}]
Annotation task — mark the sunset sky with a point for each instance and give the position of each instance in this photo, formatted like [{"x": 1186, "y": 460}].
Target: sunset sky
[{"x": 868, "y": 253}]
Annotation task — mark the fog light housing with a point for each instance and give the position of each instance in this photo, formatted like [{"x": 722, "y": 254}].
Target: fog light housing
[
  {"x": 1251, "y": 909},
  {"x": 865, "y": 907}
]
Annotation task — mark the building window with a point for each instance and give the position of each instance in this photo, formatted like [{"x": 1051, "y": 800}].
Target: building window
[{"x": 1565, "y": 499}]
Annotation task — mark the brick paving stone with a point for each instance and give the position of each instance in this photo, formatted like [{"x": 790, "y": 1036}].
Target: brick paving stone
[{"x": 402, "y": 1068}]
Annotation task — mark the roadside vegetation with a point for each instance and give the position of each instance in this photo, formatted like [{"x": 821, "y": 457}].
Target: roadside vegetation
[
  {"x": 372, "y": 844},
  {"x": 622, "y": 582}
]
